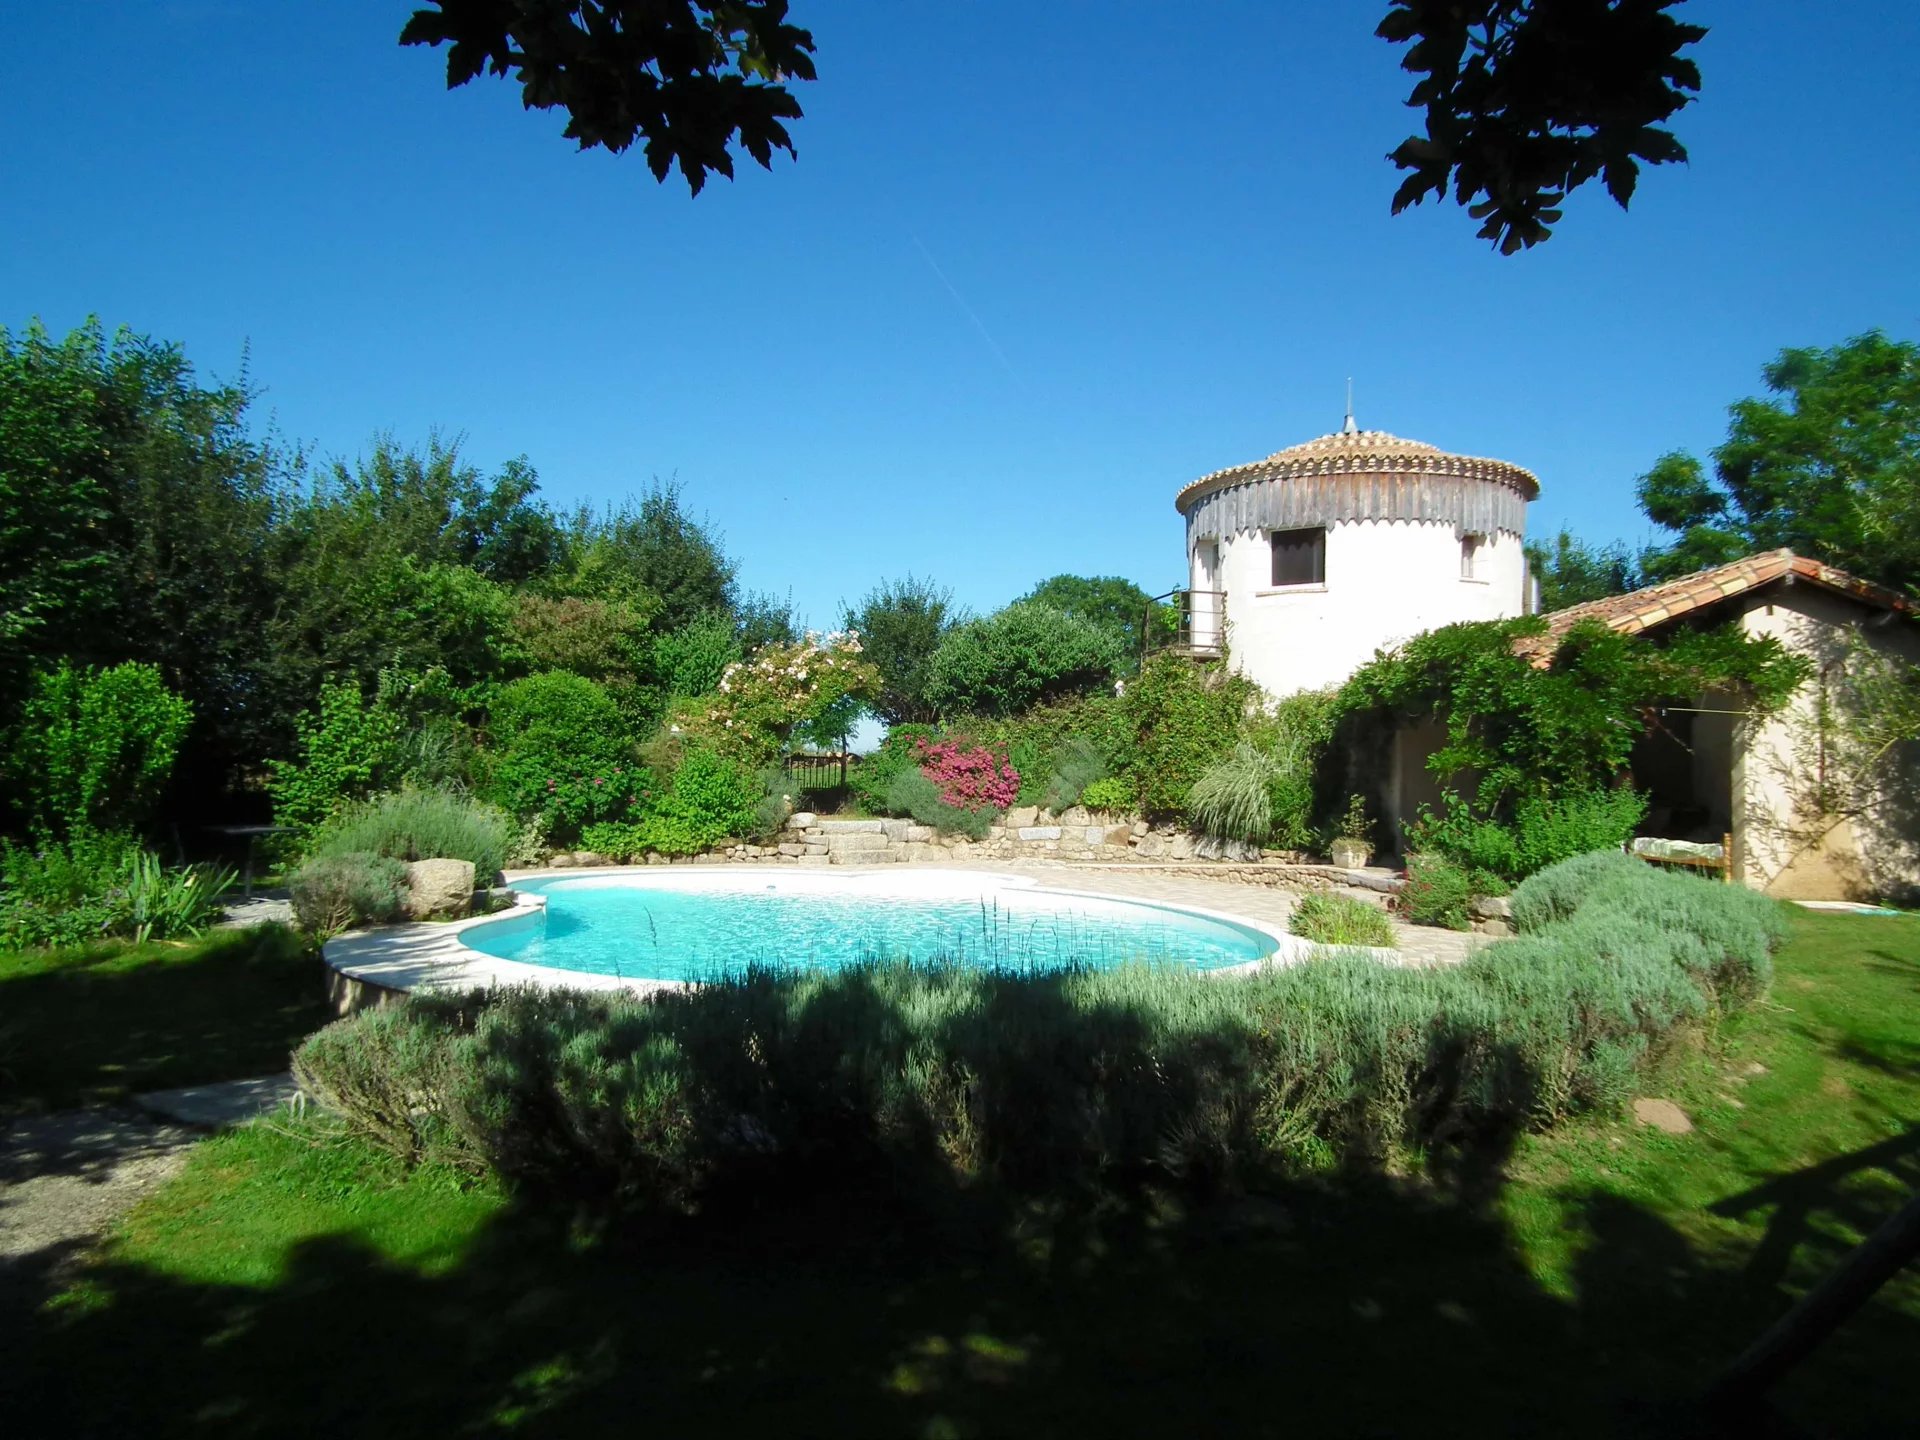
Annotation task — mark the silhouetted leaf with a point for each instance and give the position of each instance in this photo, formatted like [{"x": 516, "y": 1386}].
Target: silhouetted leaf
[
  {"x": 1533, "y": 98},
  {"x": 690, "y": 77}
]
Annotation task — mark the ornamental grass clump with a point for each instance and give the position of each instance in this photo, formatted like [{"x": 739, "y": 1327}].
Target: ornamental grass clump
[
  {"x": 915, "y": 795},
  {"x": 162, "y": 903},
  {"x": 421, "y": 825},
  {"x": 1076, "y": 765},
  {"x": 335, "y": 892},
  {"x": 1440, "y": 892},
  {"x": 1234, "y": 799},
  {"x": 1340, "y": 920},
  {"x": 927, "y": 1077}
]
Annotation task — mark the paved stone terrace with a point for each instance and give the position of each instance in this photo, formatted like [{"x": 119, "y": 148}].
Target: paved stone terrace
[{"x": 1178, "y": 885}]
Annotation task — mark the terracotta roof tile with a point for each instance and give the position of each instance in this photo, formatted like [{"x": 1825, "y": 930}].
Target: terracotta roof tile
[{"x": 1657, "y": 604}]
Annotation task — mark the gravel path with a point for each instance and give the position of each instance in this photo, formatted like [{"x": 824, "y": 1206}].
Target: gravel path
[{"x": 66, "y": 1177}]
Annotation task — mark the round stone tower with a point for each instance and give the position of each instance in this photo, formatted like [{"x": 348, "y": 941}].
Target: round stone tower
[{"x": 1322, "y": 553}]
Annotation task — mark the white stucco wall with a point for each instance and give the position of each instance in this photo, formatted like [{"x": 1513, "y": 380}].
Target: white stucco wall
[
  {"x": 1386, "y": 581},
  {"x": 1781, "y": 844}
]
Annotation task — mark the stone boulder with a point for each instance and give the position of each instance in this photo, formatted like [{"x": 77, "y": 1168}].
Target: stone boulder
[
  {"x": 1208, "y": 847},
  {"x": 438, "y": 889}
]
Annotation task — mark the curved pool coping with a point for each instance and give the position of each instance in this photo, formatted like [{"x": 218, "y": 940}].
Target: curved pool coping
[{"x": 432, "y": 955}]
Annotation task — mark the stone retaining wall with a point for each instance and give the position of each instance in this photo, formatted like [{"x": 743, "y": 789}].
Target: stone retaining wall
[{"x": 1025, "y": 834}]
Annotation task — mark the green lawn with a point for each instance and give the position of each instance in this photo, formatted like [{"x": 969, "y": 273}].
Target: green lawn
[
  {"x": 79, "y": 1026},
  {"x": 292, "y": 1283}
]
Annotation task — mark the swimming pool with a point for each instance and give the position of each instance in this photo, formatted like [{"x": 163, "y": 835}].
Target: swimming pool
[{"x": 691, "y": 926}]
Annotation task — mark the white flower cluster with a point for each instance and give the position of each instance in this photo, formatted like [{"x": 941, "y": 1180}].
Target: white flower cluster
[{"x": 845, "y": 640}]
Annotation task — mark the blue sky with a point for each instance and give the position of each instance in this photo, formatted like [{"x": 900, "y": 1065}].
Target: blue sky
[{"x": 1035, "y": 268}]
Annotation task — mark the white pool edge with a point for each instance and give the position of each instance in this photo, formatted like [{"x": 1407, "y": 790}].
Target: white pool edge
[{"x": 433, "y": 956}]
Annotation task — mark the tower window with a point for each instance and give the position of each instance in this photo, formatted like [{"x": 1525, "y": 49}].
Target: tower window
[
  {"x": 1299, "y": 557},
  {"x": 1470, "y": 547}
]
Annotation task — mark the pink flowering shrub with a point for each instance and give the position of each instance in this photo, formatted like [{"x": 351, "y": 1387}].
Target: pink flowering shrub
[{"x": 970, "y": 777}]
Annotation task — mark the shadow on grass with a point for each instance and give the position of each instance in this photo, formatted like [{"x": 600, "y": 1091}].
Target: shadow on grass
[
  {"x": 1360, "y": 1309},
  {"x": 99, "y": 1024},
  {"x": 856, "y": 1288},
  {"x": 1806, "y": 1204},
  {"x": 1900, "y": 967}
]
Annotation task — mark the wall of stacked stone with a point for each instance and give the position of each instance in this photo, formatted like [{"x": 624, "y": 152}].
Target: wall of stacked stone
[
  {"x": 1027, "y": 833},
  {"x": 1024, "y": 834}
]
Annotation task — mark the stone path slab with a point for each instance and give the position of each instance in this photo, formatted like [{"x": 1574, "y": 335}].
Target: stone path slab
[
  {"x": 223, "y": 1105},
  {"x": 66, "y": 1177},
  {"x": 267, "y": 907}
]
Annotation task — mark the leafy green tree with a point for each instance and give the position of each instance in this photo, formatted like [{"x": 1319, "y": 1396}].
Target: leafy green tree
[
  {"x": 832, "y": 727},
  {"x": 901, "y": 624},
  {"x": 1017, "y": 658},
  {"x": 1572, "y": 572},
  {"x": 391, "y": 610},
  {"x": 760, "y": 620},
  {"x": 135, "y": 519},
  {"x": 1831, "y": 469},
  {"x": 406, "y": 558},
  {"x": 690, "y": 661},
  {"x": 54, "y": 496},
  {"x": 604, "y": 640},
  {"x": 501, "y": 531},
  {"x": 434, "y": 506},
  {"x": 94, "y": 748},
  {"x": 1115, "y": 605},
  {"x": 345, "y": 750},
  {"x": 652, "y": 548}
]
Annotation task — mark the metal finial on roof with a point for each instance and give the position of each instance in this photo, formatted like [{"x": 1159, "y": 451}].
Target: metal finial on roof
[{"x": 1349, "y": 428}]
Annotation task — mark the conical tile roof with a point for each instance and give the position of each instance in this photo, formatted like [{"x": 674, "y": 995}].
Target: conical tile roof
[{"x": 1361, "y": 452}]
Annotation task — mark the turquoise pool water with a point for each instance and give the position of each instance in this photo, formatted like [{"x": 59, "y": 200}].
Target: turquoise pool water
[{"x": 702, "y": 927}]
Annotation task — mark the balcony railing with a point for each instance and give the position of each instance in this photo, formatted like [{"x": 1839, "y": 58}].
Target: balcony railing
[{"x": 1187, "y": 622}]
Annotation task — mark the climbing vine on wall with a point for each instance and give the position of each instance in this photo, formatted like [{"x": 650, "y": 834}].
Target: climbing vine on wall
[{"x": 1534, "y": 730}]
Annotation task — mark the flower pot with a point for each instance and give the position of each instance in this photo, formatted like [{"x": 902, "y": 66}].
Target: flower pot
[{"x": 1351, "y": 854}]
